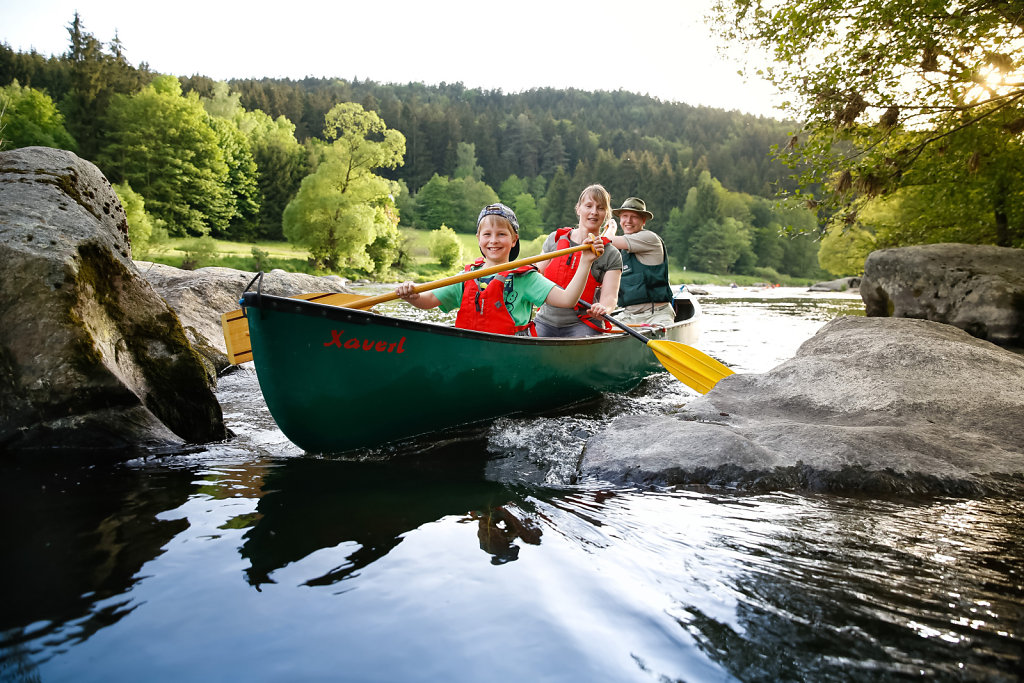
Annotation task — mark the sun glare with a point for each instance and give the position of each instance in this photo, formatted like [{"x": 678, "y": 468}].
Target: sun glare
[
  {"x": 992, "y": 82},
  {"x": 1000, "y": 76}
]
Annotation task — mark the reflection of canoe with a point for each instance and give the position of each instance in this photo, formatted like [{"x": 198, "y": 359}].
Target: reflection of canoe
[
  {"x": 337, "y": 378},
  {"x": 361, "y": 510}
]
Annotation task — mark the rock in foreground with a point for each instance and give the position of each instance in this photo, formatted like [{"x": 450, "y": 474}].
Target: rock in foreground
[
  {"x": 90, "y": 356},
  {"x": 867, "y": 404}
]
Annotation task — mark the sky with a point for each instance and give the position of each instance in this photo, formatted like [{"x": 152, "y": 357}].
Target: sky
[{"x": 661, "y": 48}]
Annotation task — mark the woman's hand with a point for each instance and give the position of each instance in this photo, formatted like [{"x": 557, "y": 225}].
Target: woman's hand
[
  {"x": 597, "y": 310},
  {"x": 595, "y": 251},
  {"x": 406, "y": 292}
]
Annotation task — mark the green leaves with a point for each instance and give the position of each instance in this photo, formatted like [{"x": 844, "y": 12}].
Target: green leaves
[
  {"x": 343, "y": 212},
  {"x": 30, "y": 117},
  {"x": 165, "y": 146},
  {"x": 896, "y": 96},
  {"x": 446, "y": 247},
  {"x": 455, "y": 203}
]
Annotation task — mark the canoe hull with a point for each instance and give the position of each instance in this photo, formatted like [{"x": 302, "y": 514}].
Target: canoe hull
[{"x": 337, "y": 379}]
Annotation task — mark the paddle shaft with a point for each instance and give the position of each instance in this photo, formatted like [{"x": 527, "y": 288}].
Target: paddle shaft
[
  {"x": 470, "y": 275},
  {"x": 626, "y": 328},
  {"x": 621, "y": 325}
]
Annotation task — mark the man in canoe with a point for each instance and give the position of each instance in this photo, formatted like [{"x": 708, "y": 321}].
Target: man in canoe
[
  {"x": 602, "y": 282},
  {"x": 644, "y": 291},
  {"x": 501, "y": 303}
]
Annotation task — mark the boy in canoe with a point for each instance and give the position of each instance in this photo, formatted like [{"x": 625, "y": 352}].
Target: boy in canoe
[{"x": 501, "y": 303}]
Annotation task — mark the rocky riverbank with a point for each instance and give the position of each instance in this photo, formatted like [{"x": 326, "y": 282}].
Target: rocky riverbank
[
  {"x": 869, "y": 404},
  {"x": 200, "y": 296}
]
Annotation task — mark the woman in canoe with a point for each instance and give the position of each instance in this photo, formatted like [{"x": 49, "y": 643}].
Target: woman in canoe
[
  {"x": 501, "y": 303},
  {"x": 602, "y": 283}
]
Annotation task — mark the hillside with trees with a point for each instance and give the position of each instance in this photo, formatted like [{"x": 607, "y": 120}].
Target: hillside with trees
[{"x": 257, "y": 159}]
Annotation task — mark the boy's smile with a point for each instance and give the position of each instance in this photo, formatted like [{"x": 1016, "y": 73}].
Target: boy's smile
[{"x": 495, "y": 240}]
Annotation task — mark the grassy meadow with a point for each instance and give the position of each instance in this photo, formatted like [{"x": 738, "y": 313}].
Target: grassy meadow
[{"x": 183, "y": 252}]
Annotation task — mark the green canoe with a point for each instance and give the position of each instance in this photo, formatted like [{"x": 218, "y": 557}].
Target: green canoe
[{"x": 337, "y": 379}]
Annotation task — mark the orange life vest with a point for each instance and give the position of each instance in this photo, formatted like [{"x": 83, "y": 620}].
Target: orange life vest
[
  {"x": 484, "y": 309},
  {"x": 561, "y": 270}
]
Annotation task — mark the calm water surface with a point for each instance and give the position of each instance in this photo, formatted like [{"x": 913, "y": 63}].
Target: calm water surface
[{"x": 483, "y": 558}]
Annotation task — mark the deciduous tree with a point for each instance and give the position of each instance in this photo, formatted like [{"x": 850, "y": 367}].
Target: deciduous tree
[
  {"x": 896, "y": 95},
  {"x": 344, "y": 213},
  {"x": 528, "y": 215},
  {"x": 30, "y": 117},
  {"x": 445, "y": 246},
  {"x": 242, "y": 188}
]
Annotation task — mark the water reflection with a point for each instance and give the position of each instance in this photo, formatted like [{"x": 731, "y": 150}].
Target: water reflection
[
  {"x": 498, "y": 529},
  {"x": 791, "y": 588},
  {"x": 756, "y": 334},
  {"x": 367, "y": 508},
  {"x": 73, "y": 543},
  {"x": 674, "y": 585}
]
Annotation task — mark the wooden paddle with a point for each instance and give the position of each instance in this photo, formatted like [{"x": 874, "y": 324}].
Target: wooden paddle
[
  {"x": 693, "y": 368},
  {"x": 236, "y": 325}
]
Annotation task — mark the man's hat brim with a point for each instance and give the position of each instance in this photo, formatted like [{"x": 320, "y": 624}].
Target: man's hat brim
[
  {"x": 634, "y": 204},
  {"x": 617, "y": 212}
]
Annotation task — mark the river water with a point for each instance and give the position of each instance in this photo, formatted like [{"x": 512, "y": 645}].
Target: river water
[{"x": 484, "y": 558}]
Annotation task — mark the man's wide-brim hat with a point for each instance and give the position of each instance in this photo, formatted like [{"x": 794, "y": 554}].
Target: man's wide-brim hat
[{"x": 633, "y": 204}]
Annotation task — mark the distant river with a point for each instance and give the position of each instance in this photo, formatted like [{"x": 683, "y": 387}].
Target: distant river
[{"x": 484, "y": 559}]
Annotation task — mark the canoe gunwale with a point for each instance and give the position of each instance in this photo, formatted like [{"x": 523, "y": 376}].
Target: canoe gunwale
[{"x": 255, "y": 300}]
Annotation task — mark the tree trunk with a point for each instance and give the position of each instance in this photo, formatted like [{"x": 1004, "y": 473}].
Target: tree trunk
[{"x": 1002, "y": 220}]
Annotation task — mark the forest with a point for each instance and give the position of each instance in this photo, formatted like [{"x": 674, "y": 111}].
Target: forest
[{"x": 257, "y": 159}]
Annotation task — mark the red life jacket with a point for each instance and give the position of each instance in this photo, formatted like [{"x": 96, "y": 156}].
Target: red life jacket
[
  {"x": 561, "y": 270},
  {"x": 484, "y": 309}
]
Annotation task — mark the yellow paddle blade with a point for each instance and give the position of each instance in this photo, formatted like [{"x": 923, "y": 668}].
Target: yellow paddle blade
[
  {"x": 693, "y": 368},
  {"x": 236, "y": 326},
  {"x": 236, "y": 336}
]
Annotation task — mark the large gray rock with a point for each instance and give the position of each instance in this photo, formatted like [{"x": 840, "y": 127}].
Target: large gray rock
[
  {"x": 90, "y": 356},
  {"x": 200, "y": 296},
  {"x": 866, "y": 404},
  {"x": 979, "y": 289}
]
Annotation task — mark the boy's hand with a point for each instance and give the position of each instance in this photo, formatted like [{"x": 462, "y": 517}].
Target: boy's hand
[{"x": 405, "y": 291}]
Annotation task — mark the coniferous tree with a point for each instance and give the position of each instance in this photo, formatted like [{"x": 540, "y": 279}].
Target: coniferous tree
[
  {"x": 96, "y": 77},
  {"x": 281, "y": 164}
]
